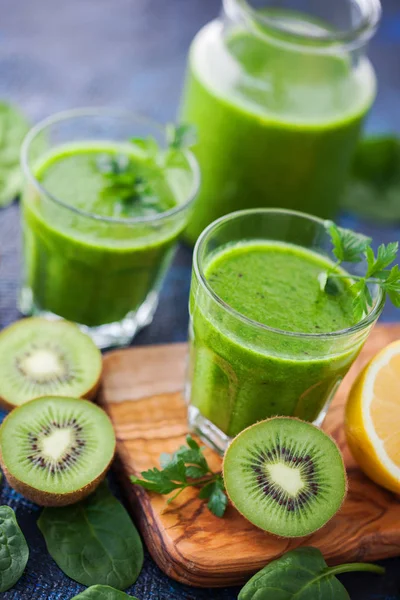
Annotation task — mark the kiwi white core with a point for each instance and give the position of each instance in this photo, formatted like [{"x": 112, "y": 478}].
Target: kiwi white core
[
  {"x": 287, "y": 478},
  {"x": 43, "y": 364},
  {"x": 56, "y": 444}
]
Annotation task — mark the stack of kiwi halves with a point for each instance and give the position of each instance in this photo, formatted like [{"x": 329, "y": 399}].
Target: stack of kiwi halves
[{"x": 55, "y": 446}]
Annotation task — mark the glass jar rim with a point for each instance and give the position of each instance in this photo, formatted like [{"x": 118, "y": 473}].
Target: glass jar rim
[
  {"x": 368, "y": 320},
  {"x": 104, "y": 112},
  {"x": 371, "y": 11}
]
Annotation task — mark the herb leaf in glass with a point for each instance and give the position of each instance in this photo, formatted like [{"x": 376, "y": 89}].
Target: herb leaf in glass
[
  {"x": 273, "y": 331},
  {"x": 106, "y": 198}
]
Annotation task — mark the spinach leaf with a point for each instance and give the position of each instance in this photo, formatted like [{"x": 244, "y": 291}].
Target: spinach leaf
[
  {"x": 94, "y": 541},
  {"x": 13, "y": 128},
  {"x": 373, "y": 190},
  {"x": 14, "y": 552},
  {"x": 301, "y": 574},
  {"x": 102, "y": 592}
]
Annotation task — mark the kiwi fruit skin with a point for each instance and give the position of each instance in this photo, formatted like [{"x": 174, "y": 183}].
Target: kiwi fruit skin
[
  {"x": 89, "y": 394},
  {"x": 41, "y": 497},
  {"x": 244, "y": 512},
  {"x": 44, "y": 499}
]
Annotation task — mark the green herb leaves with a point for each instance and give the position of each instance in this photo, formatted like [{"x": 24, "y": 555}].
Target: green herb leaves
[
  {"x": 125, "y": 183},
  {"x": 301, "y": 574},
  {"x": 13, "y": 128},
  {"x": 130, "y": 181},
  {"x": 181, "y": 136},
  {"x": 352, "y": 247},
  {"x": 14, "y": 552},
  {"x": 94, "y": 541},
  {"x": 187, "y": 467},
  {"x": 348, "y": 246},
  {"x": 102, "y": 592}
]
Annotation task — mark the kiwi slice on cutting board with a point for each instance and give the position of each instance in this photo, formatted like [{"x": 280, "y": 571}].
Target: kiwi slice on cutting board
[
  {"x": 285, "y": 476},
  {"x": 39, "y": 357},
  {"x": 56, "y": 450}
]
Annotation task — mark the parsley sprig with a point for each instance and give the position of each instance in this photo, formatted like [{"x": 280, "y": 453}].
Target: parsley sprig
[
  {"x": 124, "y": 180},
  {"x": 187, "y": 467},
  {"x": 349, "y": 246}
]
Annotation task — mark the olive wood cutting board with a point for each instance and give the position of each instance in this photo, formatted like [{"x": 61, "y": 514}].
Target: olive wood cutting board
[{"x": 142, "y": 393}]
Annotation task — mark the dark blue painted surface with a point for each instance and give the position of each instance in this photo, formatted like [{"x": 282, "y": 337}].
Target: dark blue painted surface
[{"x": 131, "y": 53}]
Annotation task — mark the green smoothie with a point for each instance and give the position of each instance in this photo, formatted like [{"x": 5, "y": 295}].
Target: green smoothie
[
  {"x": 243, "y": 372},
  {"x": 86, "y": 257},
  {"x": 277, "y": 123}
]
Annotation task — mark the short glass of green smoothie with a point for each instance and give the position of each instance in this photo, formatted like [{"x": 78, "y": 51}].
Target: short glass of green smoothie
[
  {"x": 104, "y": 203},
  {"x": 265, "y": 339},
  {"x": 278, "y": 91}
]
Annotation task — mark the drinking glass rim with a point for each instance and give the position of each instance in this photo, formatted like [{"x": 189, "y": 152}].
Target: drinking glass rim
[
  {"x": 371, "y": 14},
  {"x": 111, "y": 112},
  {"x": 369, "y": 319}
]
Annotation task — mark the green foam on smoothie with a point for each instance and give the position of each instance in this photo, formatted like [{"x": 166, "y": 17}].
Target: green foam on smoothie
[{"x": 277, "y": 285}]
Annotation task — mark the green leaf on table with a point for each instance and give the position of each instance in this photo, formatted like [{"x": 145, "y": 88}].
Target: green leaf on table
[
  {"x": 14, "y": 552},
  {"x": 186, "y": 467},
  {"x": 94, "y": 541},
  {"x": 163, "y": 481},
  {"x": 348, "y": 245},
  {"x": 301, "y": 574},
  {"x": 13, "y": 128},
  {"x": 191, "y": 455},
  {"x": 102, "y": 592},
  {"x": 214, "y": 492},
  {"x": 373, "y": 189}
]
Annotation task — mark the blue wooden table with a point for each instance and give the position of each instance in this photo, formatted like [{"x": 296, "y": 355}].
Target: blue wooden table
[{"x": 131, "y": 54}]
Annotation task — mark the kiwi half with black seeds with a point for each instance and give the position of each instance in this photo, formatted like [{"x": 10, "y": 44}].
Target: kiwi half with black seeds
[
  {"x": 285, "y": 476},
  {"x": 56, "y": 450},
  {"x": 40, "y": 357}
]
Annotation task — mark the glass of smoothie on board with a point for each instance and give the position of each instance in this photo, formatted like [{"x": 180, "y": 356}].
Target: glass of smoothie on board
[
  {"x": 265, "y": 339},
  {"x": 278, "y": 92},
  {"x": 107, "y": 195}
]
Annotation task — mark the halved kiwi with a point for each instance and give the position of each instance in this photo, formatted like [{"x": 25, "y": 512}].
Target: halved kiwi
[
  {"x": 56, "y": 450},
  {"x": 39, "y": 357},
  {"x": 285, "y": 476}
]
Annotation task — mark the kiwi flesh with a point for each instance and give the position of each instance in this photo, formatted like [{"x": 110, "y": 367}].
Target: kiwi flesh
[
  {"x": 56, "y": 450},
  {"x": 285, "y": 476},
  {"x": 39, "y": 357}
]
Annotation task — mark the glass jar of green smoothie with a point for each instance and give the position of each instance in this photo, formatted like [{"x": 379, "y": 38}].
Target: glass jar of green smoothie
[
  {"x": 265, "y": 339},
  {"x": 278, "y": 92},
  {"x": 105, "y": 201}
]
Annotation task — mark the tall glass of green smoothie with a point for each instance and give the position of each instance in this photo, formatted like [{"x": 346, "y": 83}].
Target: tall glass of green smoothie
[
  {"x": 278, "y": 91},
  {"x": 265, "y": 339},
  {"x": 105, "y": 200}
]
